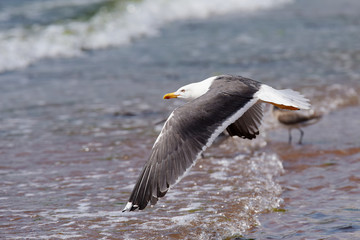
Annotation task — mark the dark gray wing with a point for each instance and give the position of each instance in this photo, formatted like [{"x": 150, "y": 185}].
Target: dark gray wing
[
  {"x": 185, "y": 135},
  {"x": 174, "y": 151},
  {"x": 247, "y": 126}
]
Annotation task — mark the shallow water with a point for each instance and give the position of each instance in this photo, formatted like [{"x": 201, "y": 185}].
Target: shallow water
[{"x": 75, "y": 133}]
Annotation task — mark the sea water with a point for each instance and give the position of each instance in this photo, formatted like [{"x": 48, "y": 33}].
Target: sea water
[{"x": 81, "y": 105}]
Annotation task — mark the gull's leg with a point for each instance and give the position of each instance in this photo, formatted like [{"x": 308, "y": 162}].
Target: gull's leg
[
  {"x": 301, "y": 135},
  {"x": 289, "y": 135}
]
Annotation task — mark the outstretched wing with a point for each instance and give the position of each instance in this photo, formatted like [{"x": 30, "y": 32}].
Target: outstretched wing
[{"x": 189, "y": 130}]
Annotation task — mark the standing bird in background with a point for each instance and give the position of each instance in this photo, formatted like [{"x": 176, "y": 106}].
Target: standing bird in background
[
  {"x": 296, "y": 120},
  {"x": 216, "y": 104}
]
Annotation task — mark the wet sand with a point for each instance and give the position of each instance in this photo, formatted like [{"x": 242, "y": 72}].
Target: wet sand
[
  {"x": 320, "y": 184},
  {"x": 261, "y": 189}
]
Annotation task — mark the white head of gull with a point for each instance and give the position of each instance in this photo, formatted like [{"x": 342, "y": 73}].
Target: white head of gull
[
  {"x": 219, "y": 103},
  {"x": 192, "y": 90}
]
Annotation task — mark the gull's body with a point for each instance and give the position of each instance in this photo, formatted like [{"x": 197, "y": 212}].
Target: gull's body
[
  {"x": 297, "y": 120},
  {"x": 215, "y": 104}
]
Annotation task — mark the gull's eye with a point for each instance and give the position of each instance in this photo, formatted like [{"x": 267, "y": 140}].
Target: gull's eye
[{"x": 182, "y": 90}]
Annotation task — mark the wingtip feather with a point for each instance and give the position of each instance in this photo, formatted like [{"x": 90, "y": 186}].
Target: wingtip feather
[{"x": 130, "y": 207}]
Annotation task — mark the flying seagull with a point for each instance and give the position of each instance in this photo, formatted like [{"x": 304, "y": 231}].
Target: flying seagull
[
  {"x": 296, "y": 120},
  {"x": 216, "y": 104}
]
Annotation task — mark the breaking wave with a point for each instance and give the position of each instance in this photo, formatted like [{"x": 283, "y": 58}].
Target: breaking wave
[{"x": 49, "y": 29}]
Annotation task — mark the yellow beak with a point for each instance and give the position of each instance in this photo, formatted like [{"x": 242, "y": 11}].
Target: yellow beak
[{"x": 170, "y": 95}]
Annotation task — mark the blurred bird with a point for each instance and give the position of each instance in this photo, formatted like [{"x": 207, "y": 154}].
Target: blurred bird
[{"x": 292, "y": 119}]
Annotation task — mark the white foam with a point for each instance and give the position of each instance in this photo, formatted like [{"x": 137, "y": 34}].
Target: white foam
[
  {"x": 83, "y": 206},
  {"x": 191, "y": 206},
  {"x": 22, "y": 46},
  {"x": 183, "y": 220}
]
